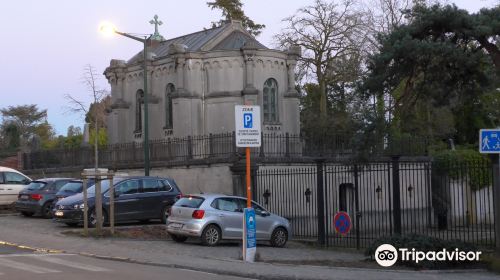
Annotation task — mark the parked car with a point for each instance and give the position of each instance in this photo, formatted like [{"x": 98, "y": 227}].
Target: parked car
[
  {"x": 214, "y": 217},
  {"x": 11, "y": 183},
  {"x": 136, "y": 198},
  {"x": 71, "y": 188},
  {"x": 37, "y": 198}
]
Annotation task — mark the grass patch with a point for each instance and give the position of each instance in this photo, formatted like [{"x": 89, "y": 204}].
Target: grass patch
[{"x": 492, "y": 261}]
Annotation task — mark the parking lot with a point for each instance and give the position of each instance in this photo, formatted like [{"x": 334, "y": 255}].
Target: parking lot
[{"x": 44, "y": 233}]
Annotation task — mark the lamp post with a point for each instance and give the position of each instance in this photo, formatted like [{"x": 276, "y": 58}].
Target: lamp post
[{"x": 108, "y": 28}]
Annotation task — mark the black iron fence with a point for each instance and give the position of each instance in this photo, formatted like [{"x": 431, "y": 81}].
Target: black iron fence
[
  {"x": 449, "y": 201},
  {"x": 221, "y": 147}
]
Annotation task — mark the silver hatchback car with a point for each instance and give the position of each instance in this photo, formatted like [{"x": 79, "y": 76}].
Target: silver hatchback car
[{"x": 214, "y": 217}]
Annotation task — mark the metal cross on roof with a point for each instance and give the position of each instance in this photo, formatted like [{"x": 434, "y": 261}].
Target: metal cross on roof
[{"x": 156, "y": 22}]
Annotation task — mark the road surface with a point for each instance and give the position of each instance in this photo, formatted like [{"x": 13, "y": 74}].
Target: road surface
[{"x": 23, "y": 264}]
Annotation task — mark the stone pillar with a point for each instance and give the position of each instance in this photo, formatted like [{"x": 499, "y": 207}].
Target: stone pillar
[
  {"x": 291, "y": 99},
  {"x": 250, "y": 93},
  {"x": 120, "y": 84},
  {"x": 178, "y": 53},
  {"x": 291, "y": 75},
  {"x": 114, "y": 74},
  {"x": 293, "y": 54},
  {"x": 183, "y": 110},
  {"x": 86, "y": 135}
]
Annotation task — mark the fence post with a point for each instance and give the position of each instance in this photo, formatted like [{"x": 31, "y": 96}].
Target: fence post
[
  {"x": 233, "y": 146},
  {"x": 287, "y": 150},
  {"x": 496, "y": 198},
  {"x": 210, "y": 145},
  {"x": 261, "y": 154},
  {"x": 190, "y": 147},
  {"x": 320, "y": 202},
  {"x": 357, "y": 215},
  {"x": 24, "y": 162},
  {"x": 396, "y": 198}
]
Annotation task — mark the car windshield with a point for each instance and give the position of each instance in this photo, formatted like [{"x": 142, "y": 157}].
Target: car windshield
[
  {"x": 73, "y": 186},
  {"x": 104, "y": 186},
  {"x": 36, "y": 185},
  {"x": 190, "y": 202}
]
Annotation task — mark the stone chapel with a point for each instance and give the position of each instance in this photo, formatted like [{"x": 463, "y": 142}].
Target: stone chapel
[{"x": 194, "y": 82}]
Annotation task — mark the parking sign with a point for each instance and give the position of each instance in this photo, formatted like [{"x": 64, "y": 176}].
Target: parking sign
[
  {"x": 247, "y": 120},
  {"x": 248, "y": 128}
]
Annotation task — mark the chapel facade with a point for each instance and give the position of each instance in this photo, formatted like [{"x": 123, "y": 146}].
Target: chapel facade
[{"x": 194, "y": 82}]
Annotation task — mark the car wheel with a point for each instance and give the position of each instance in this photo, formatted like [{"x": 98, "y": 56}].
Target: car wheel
[
  {"x": 72, "y": 224},
  {"x": 27, "y": 214},
  {"x": 47, "y": 210},
  {"x": 93, "y": 218},
  {"x": 279, "y": 237},
  {"x": 178, "y": 238},
  {"x": 164, "y": 214},
  {"x": 211, "y": 235}
]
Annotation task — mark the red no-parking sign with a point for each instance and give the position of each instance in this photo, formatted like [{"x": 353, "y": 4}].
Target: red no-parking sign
[{"x": 342, "y": 222}]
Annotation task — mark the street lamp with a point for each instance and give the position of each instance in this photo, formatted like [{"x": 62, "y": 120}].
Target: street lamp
[{"x": 109, "y": 29}]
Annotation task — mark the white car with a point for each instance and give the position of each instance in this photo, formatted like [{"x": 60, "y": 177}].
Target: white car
[{"x": 11, "y": 183}]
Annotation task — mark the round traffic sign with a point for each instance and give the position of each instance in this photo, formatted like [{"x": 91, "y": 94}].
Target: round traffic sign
[{"x": 342, "y": 222}]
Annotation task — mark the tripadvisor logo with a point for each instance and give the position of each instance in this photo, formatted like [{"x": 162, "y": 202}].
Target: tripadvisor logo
[{"x": 387, "y": 255}]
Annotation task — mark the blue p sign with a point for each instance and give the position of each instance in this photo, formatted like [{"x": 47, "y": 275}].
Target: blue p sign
[{"x": 247, "y": 120}]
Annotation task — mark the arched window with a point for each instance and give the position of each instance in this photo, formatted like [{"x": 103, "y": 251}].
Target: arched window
[
  {"x": 270, "y": 101},
  {"x": 138, "y": 109},
  {"x": 169, "y": 121}
]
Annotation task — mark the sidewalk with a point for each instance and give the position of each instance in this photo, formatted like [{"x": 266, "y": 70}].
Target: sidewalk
[{"x": 222, "y": 259}]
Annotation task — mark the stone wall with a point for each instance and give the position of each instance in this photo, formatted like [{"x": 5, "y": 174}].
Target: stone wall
[{"x": 215, "y": 178}]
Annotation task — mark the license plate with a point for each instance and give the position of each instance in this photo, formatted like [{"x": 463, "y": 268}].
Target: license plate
[
  {"x": 59, "y": 214},
  {"x": 175, "y": 225},
  {"x": 25, "y": 196}
]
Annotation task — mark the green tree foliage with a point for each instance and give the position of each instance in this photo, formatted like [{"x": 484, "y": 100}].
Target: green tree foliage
[
  {"x": 46, "y": 135},
  {"x": 233, "y": 10},
  {"x": 464, "y": 162},
  {"x": 440, "y": 70},
  {"x": 346, "y": 112},
  {"x": 12, "y": 136},
  {"x": 27, "y": 118},
  {"x": 27, "y": 124},
  {"x": 102, "y": 138},
  {"x": 97, "y": 110}
]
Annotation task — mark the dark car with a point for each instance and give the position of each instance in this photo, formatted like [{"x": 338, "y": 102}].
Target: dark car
[
  {"x": 71, "y": 188},
  {"x": 37, "y": 198},
  {"x": 136, "y": 198}
]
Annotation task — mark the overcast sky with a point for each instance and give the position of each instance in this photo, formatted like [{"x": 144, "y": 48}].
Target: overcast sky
[{"x": 45, "y": 44}]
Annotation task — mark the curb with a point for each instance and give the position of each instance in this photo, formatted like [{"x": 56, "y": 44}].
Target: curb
[{"x": 35, "y": 249}]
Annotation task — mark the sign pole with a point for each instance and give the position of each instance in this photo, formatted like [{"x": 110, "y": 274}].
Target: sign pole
[
  {"x": 489, "y": 143},
  {"x": 249, "y": 189},
  {"x": 248, "y": 134}
]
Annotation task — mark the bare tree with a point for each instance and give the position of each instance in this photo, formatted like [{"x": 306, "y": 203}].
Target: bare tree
[
  {"x": 94, "y": 110},
  {"x": 328, "y": 33},
  {"x": 383, "y": 16}
]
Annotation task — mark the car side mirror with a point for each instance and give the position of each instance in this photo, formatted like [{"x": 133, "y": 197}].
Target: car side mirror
[
  {"x": 265, "y": 214},
  {"x": 116, "y": 194}
]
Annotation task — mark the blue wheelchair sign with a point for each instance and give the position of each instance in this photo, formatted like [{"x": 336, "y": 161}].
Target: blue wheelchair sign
[
  {"x": 251, "y": 237},
  {"x": 489, "y": 141}
]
